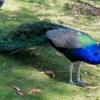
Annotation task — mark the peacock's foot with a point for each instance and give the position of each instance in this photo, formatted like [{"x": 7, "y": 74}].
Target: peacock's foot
[
  {"x": 72, "y": 83},
  {"x": 78, "y": 81}
]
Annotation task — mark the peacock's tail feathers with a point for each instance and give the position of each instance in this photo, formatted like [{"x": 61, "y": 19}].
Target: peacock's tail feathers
[
  {"x": 29, "y": 35},
  {"x": 26, "y": 35}
]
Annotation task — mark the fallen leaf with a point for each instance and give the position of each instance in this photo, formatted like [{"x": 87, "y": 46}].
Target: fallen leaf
[
  {"x": 16, "y": 88},
  {"x": 35, "y": 91},
  {"x": 91, "y": 87},
  {"x": 18, "y": 91},
  {"x": 48, "y": 72},
  {"x": 30, "y": 92}
]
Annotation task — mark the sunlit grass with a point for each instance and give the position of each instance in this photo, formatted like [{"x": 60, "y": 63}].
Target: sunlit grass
[{"x": 25, "y": 73}]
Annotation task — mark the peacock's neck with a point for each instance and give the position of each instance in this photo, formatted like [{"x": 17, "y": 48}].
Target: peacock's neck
[
  {"x": 89, "y": 54},
  {"x": 97, "y": 58},
  {"x": 94, "y": 58}
]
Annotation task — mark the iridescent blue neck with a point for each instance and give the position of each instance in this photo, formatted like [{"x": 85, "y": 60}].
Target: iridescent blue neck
[
  {"x": 89, "y": 54},
  {"x": 94, "y": 59}
]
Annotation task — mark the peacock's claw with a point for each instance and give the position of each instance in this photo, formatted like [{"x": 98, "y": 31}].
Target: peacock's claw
[{"x": 80, "y": 82}]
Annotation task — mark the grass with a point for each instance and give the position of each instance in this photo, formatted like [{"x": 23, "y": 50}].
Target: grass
[{"x": 23, "y": 70}]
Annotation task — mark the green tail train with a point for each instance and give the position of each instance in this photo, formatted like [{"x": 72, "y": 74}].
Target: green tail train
[{"x": 25, "y": 36}]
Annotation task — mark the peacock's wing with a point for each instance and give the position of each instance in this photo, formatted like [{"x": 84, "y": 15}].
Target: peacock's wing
[{"x": 69, "y": 38}]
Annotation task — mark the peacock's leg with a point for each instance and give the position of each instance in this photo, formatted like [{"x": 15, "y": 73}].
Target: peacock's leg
[
  {"x": 79, "y": 81},
  {"x": 71, "y": 72}
]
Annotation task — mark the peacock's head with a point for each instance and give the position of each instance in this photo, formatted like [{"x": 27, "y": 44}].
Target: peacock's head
[
  {"x": 99, "y": 44},
  {"x": 1, "y": 2}
]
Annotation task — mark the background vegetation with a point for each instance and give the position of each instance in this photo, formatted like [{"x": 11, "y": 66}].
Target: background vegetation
[{"x": 23, "y": 70}]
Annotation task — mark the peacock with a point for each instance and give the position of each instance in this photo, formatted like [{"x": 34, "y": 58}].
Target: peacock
[
  {"x": 1, "y": 2},
  {"x": 75, "y": 45}
]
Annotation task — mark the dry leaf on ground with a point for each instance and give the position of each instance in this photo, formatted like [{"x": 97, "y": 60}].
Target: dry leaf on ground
[
  {"x": 48, "y": 72},
  {"x": 35, "y": 91},
  {"x": 91, "y": 87},
  {"x": 16, "y": 88},
  {"x": 18, "y": 91}
]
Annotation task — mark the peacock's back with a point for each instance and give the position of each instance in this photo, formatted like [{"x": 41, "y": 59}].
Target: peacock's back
[{"x": 69, "y": 38}]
